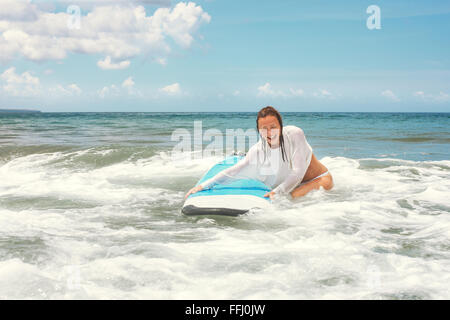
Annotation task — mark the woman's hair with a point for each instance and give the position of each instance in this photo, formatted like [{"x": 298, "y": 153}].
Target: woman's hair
[{"x": 271, "y": 111}]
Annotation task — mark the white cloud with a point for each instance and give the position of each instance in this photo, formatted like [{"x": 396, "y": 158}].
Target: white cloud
[
  {"x": 181, "y": 21},
  {"x": 74, "y": 88},
  {"x": 108, "y": 65},
  {"x": 19, "y": 84},
  {"x": 266, "y": 90},
  {"x": 296, "y": 92},
  {"x": 172, "y": 89},
  {"x": 127, "y": 87},
  {"x": 108, "y": 90},
  {"x": 390, "y": 95},
  {"x": 69, "y": 90},
  {"x": 236, "y": 93},
  {"x": 441, "y": 97},
  {"x": 89, "y": 4},
  {"x": 322, "y": 93},
  {"x": 26, "y": 84},
  {"x": 14, "y": 10},
  {"x": 120, "y": 31},
  {"x": 103, "y": 92},
  {"x": 162, "y": 61},
  {"x": 128, "y": 83}
]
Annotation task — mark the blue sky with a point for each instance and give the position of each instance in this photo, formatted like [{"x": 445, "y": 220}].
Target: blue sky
[{"x": 226, "y": 55}]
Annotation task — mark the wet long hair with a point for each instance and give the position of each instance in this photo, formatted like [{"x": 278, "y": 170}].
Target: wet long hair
[{"x": 271, "y": 111}]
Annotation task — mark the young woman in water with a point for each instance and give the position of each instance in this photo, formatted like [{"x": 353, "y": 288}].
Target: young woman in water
[{"x": 282, "y": 159}]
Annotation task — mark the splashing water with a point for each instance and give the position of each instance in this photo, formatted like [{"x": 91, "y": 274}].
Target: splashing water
[{"x": 103, "y": 222}]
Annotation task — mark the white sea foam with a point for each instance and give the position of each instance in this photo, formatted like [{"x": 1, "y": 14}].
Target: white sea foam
[{"x": 116, "y": 231}]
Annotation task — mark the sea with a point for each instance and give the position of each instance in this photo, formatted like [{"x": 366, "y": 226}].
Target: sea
[{"x": 90, "y": 208}]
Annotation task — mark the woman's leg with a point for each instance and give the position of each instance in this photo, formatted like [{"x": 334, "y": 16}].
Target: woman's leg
[{"x": 326, "y": 182}]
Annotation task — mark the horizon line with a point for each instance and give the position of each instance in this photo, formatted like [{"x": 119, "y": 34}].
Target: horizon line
[{"x": 40, "y": 111}]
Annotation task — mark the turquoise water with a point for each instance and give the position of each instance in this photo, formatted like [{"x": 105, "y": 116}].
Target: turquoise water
[
  {"x": 408, "y": 136},
  {"x": 90, "y": 208}
]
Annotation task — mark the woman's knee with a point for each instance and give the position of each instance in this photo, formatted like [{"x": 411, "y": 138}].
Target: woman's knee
[{"x": 327, "y": 182}]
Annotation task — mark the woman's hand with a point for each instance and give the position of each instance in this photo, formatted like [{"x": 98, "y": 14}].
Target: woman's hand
[
  {"x": 193, "y": 190},
  {"x": 270, "y": 194}
]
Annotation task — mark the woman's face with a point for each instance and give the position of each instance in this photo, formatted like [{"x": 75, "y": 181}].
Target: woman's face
[{"x": 269, "y": 129}]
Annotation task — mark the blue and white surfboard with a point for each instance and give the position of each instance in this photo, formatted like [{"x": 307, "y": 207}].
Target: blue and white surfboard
[{"x": 230, "y": 199}]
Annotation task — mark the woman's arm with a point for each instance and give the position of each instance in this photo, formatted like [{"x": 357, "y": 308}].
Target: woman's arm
[
  {"x": 227, "y": 174},
  {"x": 301, "y": 159}
]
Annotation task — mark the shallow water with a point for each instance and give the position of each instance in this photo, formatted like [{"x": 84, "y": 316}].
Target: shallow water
[{"x": 90, "y": 208}]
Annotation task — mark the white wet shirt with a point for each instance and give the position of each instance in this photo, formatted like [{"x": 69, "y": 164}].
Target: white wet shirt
[{"x": 266, "y": 164}]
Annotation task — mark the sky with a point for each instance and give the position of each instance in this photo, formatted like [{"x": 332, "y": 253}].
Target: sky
[{"x": 225, "y": 55}]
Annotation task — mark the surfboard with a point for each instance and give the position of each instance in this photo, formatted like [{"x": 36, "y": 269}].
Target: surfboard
[{"x": 231, "y": 199}]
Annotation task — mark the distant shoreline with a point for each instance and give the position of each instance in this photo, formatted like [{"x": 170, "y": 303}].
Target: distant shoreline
[{"x": 19, "y": 110}]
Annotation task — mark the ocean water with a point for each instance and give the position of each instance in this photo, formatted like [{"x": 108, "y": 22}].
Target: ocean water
[{"x": 90, "y": 209}]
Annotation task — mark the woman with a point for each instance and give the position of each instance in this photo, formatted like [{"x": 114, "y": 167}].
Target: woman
[{"x": 282, "y": 159}]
